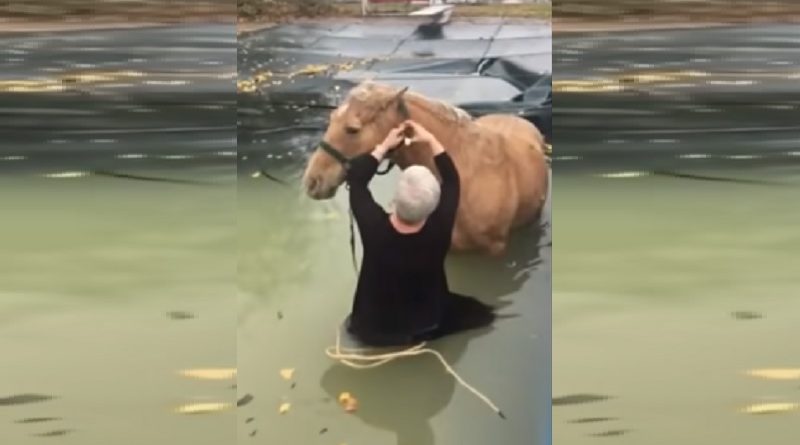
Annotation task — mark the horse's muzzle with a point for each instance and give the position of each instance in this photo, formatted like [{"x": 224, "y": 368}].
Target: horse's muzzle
[{"x": 317, "y": 189}]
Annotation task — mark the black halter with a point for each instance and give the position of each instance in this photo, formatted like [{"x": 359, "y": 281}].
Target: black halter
[{"x": 345, "y": 161}]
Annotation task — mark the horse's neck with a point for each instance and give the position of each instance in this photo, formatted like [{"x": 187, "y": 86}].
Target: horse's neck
[{"x": 443, "y": 128}]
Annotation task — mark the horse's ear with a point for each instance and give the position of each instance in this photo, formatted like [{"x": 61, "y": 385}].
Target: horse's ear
[
  {"x": 400, "y": 93},
  {"x": 401, "y": 104}
]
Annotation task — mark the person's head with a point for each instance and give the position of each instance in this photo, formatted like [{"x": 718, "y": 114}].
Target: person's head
[{"x": 417, "y": 194}]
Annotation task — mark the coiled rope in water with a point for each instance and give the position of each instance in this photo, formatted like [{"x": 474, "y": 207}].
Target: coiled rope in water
[{"x": 361, "y": 359}]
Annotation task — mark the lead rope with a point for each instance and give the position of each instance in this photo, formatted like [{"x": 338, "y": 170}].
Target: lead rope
[{"x": 359, "y": 359}]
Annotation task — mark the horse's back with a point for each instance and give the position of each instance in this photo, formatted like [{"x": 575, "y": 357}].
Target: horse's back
[{"x": 525, "y": 147}]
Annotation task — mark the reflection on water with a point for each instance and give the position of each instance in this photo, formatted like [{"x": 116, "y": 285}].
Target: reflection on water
[
  {"x": 117, "y": 187},
  {"x": 677, "y": 237}
]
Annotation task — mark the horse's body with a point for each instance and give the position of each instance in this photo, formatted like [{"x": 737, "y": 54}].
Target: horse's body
[{"x": 500, "y": 159}]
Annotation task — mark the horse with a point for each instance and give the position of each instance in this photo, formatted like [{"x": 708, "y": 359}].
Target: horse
[{"x": 500, "y": 159}]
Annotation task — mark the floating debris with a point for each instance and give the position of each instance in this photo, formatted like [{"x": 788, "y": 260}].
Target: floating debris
[
  {"x": 249, "y": 419},
  {"x": 253, "y": 433},
  {"x": 694, "y": 156},
  {"x": 776, "y": 373},
  {"x": 131, "y": 156},
  {"x": 247, "y": 398},
  {"x": 623, "y": 175},
  {"x": 202, "y": 408},
  {"x": 210, "y": 374},
  {"x": 348, "y": 402},
  {"x": 66, "y": 175},
  {"x": 280, "y": 315},
  {"x": 323, "y": 431},
  {"x": 284, "y": 408},
  {"x": 287, "y": 373},
  {"x": 770, "y": 408}
]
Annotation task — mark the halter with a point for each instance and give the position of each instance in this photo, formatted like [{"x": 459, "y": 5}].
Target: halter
[{"x": 345, "y": 161}]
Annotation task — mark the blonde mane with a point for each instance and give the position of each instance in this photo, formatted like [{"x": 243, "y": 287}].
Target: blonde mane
[{"x": 377, "y": 95}]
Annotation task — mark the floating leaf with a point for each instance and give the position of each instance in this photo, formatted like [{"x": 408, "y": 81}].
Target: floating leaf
[
  {"x": 202, "y": 408},
  {"x": 771, "y": 408},
  {"x": 284, "y": 408},
  {"x": 287, "y": 373},
  {"x": 210, "y": 374},
  {"x": 776, "y": 373},
  {"x": 348, "y": 402}
]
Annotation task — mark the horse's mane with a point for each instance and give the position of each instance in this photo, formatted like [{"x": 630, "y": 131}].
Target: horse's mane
[{"x": 372, "y": 93}]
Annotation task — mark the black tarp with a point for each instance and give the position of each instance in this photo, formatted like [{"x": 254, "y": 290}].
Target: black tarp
[{"x": 298, "y": 73}]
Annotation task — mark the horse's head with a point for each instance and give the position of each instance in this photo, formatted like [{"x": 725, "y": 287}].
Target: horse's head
[{"x": 362, "y": 122}]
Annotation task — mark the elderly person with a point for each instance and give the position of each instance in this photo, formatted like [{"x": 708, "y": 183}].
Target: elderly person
[{"x": 402, "y": 297}]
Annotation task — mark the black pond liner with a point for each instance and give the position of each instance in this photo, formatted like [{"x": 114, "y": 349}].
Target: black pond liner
[{"x": 279, "y": 124}]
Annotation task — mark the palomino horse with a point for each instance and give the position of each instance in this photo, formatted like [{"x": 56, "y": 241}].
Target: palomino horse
[{"x": 500, "y": 159}]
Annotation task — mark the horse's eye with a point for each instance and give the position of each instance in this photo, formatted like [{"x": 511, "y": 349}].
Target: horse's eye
[{"x": 351, "y": 130}]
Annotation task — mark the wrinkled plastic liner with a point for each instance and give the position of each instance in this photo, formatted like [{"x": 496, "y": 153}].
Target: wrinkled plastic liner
[{"x": 305, "y": 71}]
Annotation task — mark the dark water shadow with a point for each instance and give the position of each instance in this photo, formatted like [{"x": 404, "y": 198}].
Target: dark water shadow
[
  {"x": 592, "y": 420},
  {"x": 38, "y": 419},
  {"x": 495, "y": 280},
  {"x": 21, "y": 399},
  {"x": 404, "y": 395},
  {"x": 54, "y": 433},
  {"x": 611, "y": 433},
  {"x": 577, "y": 399}
]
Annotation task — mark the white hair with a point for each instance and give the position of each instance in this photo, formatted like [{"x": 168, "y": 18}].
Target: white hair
[{"x": 417, "y": 194}]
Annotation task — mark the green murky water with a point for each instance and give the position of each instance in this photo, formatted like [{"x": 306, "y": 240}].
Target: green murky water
[
  {"x": 91, "y": 271},
  {"x": 666, "y": 292},
  {"x": 296, "y": 284}
]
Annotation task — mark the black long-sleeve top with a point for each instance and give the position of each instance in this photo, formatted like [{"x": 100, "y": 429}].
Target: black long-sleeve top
[{"x": 402, "y": 290}]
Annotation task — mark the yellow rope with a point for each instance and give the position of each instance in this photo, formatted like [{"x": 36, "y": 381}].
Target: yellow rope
[{"x": 360, "y": 359}]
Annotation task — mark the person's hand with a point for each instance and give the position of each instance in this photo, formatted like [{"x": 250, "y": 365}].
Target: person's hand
[
  {"x": 393, "y": 139},
  {"x": 421, "y": 134}
]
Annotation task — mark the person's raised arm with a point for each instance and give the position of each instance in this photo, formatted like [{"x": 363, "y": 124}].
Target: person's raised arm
[
  {"x": 361, "y": 171},
  {"x": 451, "y": 186}
]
